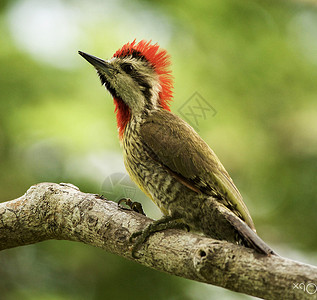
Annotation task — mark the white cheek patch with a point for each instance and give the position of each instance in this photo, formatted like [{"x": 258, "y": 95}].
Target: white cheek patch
[{"x": 156, "y": 89}]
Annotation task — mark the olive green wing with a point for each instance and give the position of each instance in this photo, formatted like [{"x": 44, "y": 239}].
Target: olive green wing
[{"x": 176, "y": 145}]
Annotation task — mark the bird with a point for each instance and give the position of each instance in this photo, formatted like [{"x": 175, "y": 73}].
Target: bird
[{"x": 165, "y": 156}]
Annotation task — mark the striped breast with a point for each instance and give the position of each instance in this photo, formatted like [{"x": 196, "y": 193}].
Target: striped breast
[{"x": 152, "y": 178}]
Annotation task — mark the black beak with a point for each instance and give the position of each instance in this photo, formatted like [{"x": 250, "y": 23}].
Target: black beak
[{"x": 97, "y": 62}]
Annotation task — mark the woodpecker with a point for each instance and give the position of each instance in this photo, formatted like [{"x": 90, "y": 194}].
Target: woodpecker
[{"x": 165, "y": 156}]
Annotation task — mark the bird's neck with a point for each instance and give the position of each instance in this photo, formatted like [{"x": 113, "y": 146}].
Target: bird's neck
[
  {"x": 123, "y": 114},
  {"x": 127, "y": 118}
]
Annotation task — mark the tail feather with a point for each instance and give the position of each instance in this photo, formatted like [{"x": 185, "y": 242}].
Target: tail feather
[
  {"x": 238, "y": 230},
  {"x": 249, "y": 237}
]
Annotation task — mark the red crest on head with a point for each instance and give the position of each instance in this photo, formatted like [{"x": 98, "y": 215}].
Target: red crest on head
[{"x": 159, "y": 59}]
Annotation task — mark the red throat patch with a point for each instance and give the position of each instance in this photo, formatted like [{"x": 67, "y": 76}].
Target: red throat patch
[
  {"x": 159, "y": 59},
  {"x": 123, "y": 115}
]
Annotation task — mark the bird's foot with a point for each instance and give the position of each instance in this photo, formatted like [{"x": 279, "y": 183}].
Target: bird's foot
[
  {"x": 166, "y": 222},
  {"x": 135, "y": 206}
]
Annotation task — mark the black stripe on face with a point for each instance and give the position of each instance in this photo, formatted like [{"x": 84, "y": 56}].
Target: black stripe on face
[
  {"x": 144, "y": 85},
  {"x": 138, "y": 78},
  {"x": 106, "y": 83}
]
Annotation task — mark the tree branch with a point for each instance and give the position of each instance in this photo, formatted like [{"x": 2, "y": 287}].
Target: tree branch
[{"x": 61, "y": 211}]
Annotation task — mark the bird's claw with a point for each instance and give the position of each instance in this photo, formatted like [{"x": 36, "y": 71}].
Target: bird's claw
[
  {"x": 166, "y": 222},
  {"x": 137, "y": 239},
  {"x": 135, "y": 206},
  {"x": 135, "y": 235}
]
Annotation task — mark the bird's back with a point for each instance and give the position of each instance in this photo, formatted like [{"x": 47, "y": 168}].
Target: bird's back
[{"x": 177, "y": 147}]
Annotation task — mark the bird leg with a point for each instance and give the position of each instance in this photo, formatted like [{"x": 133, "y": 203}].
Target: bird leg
[
  {"x": 166, "y": 222},
  {"x": 135, "y": 206}
]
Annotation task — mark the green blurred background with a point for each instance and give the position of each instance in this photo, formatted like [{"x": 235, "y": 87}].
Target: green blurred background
[{"x": 253, "y": 62}]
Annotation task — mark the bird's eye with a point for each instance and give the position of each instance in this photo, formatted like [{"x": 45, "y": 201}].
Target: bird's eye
[{"x": 128, "y": 68}]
